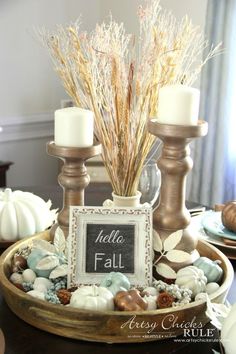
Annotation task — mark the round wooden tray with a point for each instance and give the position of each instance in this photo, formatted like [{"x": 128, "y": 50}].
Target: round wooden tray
[{"x": 110, "y": 326}]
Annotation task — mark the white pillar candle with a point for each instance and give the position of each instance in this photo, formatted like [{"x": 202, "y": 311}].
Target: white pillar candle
[
  {"x": 178, "y": 104},
  {"x": 73, "y": 127}
]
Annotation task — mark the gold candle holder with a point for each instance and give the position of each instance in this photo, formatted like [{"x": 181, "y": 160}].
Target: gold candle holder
[
  {"x": 175, "y": 162},
  {"x": 73, "y": 177}
]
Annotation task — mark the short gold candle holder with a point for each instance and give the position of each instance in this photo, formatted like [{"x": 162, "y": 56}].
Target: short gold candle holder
[
  {"x": 175, "y": 162},
  {"x": 73, "y": 177}
]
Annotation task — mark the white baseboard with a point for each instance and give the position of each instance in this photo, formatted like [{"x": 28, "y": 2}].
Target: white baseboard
[{"x": 26, "y": 127}]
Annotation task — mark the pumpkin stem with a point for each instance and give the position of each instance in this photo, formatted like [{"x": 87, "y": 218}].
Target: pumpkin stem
[
  {"x": 95, "y": 290},
  {"x": 8, "y": 194},
  {"x": 108, "y": 282},
  {"x": 217, "y": 261}
]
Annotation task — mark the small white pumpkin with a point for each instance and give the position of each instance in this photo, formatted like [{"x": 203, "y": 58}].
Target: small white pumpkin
[
  {"x": 42, "y": 284},
  {"x": 151, "y": 291},
  {"x": 92, "y": 297},
  {"x": 23, "y": 214},
  {"x": 192, "y": 278},
  {"x": 228, "y": 331},
  {"x": 151, "y": 301}
]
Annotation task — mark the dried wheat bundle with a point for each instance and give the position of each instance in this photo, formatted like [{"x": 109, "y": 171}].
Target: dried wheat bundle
[{"x": 118, "y": 77}]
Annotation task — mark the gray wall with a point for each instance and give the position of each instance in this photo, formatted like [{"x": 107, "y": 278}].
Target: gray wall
[{"x": 30, "y": 91}]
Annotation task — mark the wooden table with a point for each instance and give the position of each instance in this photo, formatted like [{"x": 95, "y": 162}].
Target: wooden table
[{"x": 22, "y": 338}]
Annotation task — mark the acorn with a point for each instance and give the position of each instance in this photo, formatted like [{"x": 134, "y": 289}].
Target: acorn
[{"x": 19, "y": 263}]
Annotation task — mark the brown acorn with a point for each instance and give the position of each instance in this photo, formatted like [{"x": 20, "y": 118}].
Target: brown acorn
[
  {"x": 64, "y": 296},
  {"x": 19, "y": 263},
  {"x": 130, "y": 301}
]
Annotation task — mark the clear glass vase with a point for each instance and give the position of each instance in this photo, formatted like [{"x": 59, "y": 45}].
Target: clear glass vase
[{"x": 150, "y": 182}]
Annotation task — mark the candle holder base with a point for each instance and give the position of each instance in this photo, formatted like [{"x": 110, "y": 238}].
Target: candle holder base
[
  {"x": 188, "y": 244},
  {"x": 73, "y": 178}
]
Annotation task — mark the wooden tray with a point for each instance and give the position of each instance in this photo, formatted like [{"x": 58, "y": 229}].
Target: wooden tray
[
  {"x": 5, "y": 244},
  {"x": 110, "y": 326}
]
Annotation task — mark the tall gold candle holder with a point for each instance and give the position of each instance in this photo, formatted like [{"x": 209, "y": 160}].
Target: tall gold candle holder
[
  {"x": 175, "y": 162},
  {"x": 73, "y": 177}
]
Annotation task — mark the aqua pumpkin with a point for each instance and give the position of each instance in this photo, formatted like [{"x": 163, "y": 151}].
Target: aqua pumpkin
[
  {"x": 115, "y": 282},
  {"x": 211, "y": 269}
]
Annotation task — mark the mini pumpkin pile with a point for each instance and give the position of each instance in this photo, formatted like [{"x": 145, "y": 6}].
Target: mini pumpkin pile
[
  {"x": 23, "y": 214},
  {"x": 41, "y": 270}
]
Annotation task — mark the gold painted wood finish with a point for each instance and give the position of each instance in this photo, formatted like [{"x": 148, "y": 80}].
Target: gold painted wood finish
[
  {"x": 2, "y": 343},
  {"x": 175, "y": 162},
  {"x": 73, "y": 177},
  {"x": 106, "y": 326}
]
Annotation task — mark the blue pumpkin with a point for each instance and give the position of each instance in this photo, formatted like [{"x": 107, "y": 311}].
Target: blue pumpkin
[
  {"x": 35, "y": 256},
  {"x": 211, "y": 269},
  {"x": 115, "y": 282}
]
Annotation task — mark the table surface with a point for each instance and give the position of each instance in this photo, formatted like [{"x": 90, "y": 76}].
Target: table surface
[{"x": 21, "y": 338}]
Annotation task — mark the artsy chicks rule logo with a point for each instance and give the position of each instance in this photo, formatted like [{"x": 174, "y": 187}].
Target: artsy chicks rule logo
[{"x": 165, "y": 328}]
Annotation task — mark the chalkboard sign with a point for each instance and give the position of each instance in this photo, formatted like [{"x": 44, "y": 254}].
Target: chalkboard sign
[
  {"x": 104, "y": 240},
  {"x": 110, "y": 248}
]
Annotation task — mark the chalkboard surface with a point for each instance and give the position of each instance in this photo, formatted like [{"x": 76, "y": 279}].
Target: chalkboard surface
[{"x": 110, "y": 247}]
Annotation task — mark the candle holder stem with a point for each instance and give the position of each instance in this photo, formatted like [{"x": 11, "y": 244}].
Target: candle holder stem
[
  {"x": 175, "y": 162},
  {"x": 73, "y": 177}
]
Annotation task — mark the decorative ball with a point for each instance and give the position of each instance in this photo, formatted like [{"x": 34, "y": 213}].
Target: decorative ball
[
  {"x": 29, "y": 276},
  {"x": 211, "y": 288},
  {"x": 37, "y": 294},
  {"x": 228, "y": 216},
  {"x": 16, "y": 278}
]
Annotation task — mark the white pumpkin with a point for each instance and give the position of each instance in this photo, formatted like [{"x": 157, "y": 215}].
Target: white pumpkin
[
  {"x": 23, "y": 214},
  {"x": 228, "y": 331},
  {"x": 92, "y": 297},
  {"x": 192, "y": 278},
  {"x": 42, "y": 284},
  {"x": 151, "y": 301}
]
